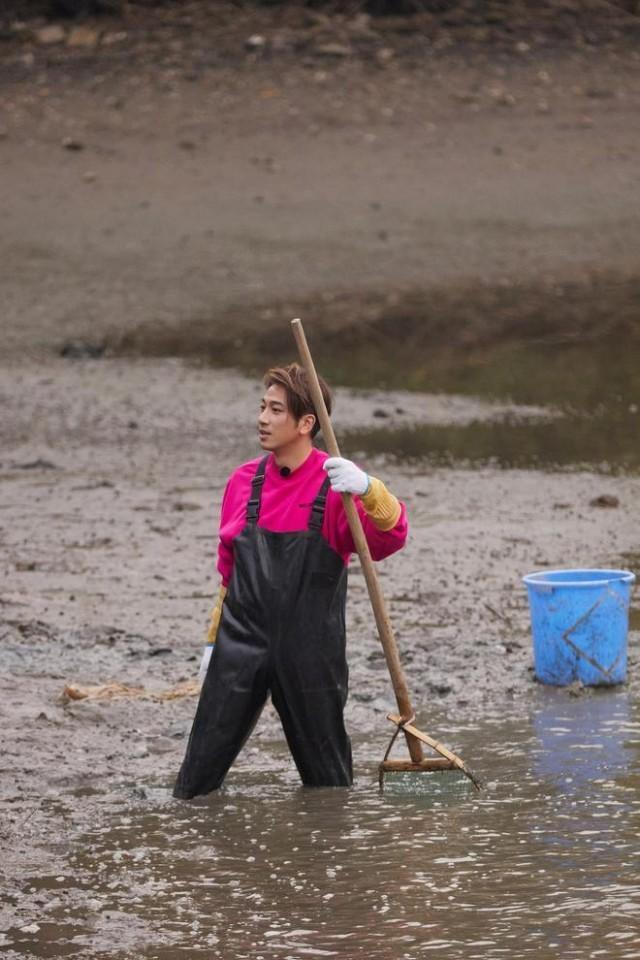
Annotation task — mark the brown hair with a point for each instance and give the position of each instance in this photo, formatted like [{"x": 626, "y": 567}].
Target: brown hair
[{"x": 295, "y": 383}]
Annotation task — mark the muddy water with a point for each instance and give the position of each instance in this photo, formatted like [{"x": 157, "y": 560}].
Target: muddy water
[
  {"x": 606, "y": 443},
  {"x": 543, "y": 863},
  {"x": 572, "y": 348}
]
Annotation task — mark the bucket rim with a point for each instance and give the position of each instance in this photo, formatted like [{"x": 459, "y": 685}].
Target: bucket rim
[{"x": 601, "y": 577}]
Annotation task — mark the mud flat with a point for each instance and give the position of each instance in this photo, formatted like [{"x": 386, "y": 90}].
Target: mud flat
[{"x": 112, "y": 473}]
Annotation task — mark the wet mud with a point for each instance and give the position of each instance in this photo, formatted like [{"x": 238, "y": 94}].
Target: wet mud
[{"x": 112, "y": 472}]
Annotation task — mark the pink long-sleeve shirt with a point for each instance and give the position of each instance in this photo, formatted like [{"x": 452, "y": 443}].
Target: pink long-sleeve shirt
[{"x": 286, "y": 507}]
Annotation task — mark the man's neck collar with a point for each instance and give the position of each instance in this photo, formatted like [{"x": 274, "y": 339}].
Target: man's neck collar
[{"x": 292, "y": 459}]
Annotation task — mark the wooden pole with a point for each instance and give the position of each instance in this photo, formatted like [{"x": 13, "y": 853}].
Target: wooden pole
[{"x": 385, "y": 630}]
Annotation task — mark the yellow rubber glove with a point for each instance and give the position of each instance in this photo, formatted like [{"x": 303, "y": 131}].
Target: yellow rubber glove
[
  {"x": 216, "y": 613},
  {"x": 381, "y": 505}
]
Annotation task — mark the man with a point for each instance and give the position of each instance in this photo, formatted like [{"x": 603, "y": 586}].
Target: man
[{"x": 278, "y": 625}]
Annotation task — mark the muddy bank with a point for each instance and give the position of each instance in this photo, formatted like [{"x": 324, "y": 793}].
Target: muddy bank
[
  {"x": 552, "y": 342},
  {"x": 143, "y": 193}
]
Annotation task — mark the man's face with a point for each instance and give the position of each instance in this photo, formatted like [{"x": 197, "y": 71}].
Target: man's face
[{"x": 277, "y": 428}]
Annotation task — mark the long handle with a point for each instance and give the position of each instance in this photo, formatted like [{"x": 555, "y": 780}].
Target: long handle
[{"x": 376, "y": 596}]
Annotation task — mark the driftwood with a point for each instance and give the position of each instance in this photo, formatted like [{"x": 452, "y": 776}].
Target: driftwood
[{"x": 123, "y": 691}]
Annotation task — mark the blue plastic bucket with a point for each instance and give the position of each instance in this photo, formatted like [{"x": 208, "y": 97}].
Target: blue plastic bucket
[{"x": 580, "y": 621}]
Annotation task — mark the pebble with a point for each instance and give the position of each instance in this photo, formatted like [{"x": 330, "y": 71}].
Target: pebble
[
  {"x": 83, "y": 37},
  {"x": 30, "y": 928},
  {"x": 50, "y": 34},
  {"x": 70, "y": 143},
  {"x": 605, "y": 500},
  {"x": 255, "y": 42},
  {"x": 334, "y": 50},
  {"x": 113, "y": 37}
]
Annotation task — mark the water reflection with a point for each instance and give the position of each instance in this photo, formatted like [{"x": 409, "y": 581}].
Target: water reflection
[
  {"x": 542, "y": 863},
  {"x": 583, "y": 740},
  {"x": 606, "y": 442}
]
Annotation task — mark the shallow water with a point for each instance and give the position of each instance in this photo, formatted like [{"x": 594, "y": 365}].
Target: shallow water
[
  {"x": 603, "y": 443},
  {"x": 543, "y": 863},
  {"x": 571, "y": 347}
]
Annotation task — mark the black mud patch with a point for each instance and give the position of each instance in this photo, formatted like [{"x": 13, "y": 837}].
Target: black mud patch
[{"x": 572, "y": 344}]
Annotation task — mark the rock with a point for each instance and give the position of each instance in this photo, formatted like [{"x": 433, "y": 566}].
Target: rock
[
  {"x": 385, "y": 55},
  {"x": 30, "y": 928},
  {"x": 334, "y": 50},
  {"x": 380, "y": 413},
  {"x": 70, "y": 143},
  {"x": 38, "y": 464},
  {"x": 81, "y": 350},
  {"x": 255, "y": 42},
  {"x": 114, "y": 36},
  {"x": 89, "y": 176},
  {"x": 599, "y": 93},
  {"x": 53, "y": 33},
  {"x": 361, "y": 24},
  {"x": 605, "y": 500},
  {"x": 83, "y": 37}
]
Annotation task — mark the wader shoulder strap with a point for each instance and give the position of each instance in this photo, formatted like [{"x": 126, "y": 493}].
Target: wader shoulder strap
[
  {"x": 318, "y": 507},
  {"x": 253, "y": 504}
]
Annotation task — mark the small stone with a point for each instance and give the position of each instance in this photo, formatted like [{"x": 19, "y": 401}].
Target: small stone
[
  {"x": 89, "y": 176},
  {"x": 38, "y": 464},
  {"x": 334, "y": 50},
  {"x": 380, "y": 413},
  {"x": 187, "y": 144},
  {"x": 30, "y": 928},
  {"x": 83, "y": 37},
  {"x": 50, "y": 34},
  {"x": 70, "y": 143},
  {"x": 112, "y": 37},
  {"x": 255, "y": 42},
  {"x": 522, "y": 47},
  {"x": 385, "y": 55},
  {"x": 361, "y": 23},
  {"x": 606, "y": 500},
  {"x": 81, "y": 349},
  {"x": 599, "y": 93},
  {"x": 464, "y": 96}
]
